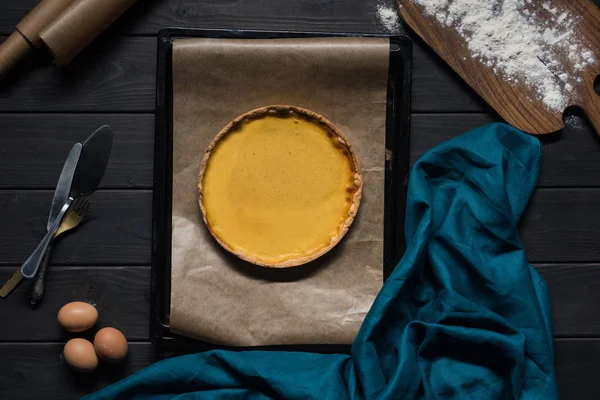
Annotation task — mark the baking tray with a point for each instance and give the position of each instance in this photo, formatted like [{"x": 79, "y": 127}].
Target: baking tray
[{"x": 396, "y": 170}]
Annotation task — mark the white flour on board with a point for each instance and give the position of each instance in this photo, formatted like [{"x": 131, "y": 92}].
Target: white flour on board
[
  {"x": 511, "y": 37},
  {"x": 388, "y": 17}
]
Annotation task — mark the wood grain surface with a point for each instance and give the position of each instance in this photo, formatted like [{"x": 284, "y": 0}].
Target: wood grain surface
[
  {"x": 560, "y": 225},
  {"x": 43, "y": 109},
  {"x": 35, "y": 146},
  {"x": 40, "y": 365},
  {"x": 149, "y": 16},
  {"x": 574, "y": 290},
  {"x": 116, "y": 230},
  {"x": 518, "y": 103},
  {"x": 119, "y": 76},
  {"x": 115, "y": 74},
  {"x": 39, "y": 369},
  {"x": 106, "y": 287},
  {"x": 570, "y": 158}
]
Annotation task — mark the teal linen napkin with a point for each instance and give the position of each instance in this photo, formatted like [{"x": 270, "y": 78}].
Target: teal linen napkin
[{"x": 463, "y": 315}]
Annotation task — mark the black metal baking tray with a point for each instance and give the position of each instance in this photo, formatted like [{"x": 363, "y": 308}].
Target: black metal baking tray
[{"x": 396, "y": 169}]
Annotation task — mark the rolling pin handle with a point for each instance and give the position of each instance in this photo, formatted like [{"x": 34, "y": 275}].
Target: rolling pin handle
[{"x": 13, "y": 50}]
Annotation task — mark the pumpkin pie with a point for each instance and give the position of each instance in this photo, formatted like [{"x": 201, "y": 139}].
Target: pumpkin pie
[{"x": 279, "y": 186}]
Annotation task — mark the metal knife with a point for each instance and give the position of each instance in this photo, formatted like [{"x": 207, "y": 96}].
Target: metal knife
[
  {"x": 90, "y": 169},
  {"x": 61, "y": 193},
  {"x": 63, "y": 187}
]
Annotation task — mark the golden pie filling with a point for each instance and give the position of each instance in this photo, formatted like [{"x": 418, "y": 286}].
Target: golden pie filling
[{"x": 279, "y": 186}]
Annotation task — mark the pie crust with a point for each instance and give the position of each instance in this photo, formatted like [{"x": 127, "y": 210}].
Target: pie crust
[{"x": 279, "y": 120}]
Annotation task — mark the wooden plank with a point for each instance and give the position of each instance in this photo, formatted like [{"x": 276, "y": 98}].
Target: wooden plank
[
  {"x": 436, "y": 88},
  {"x": 113, "y": 74},
  {"x": 148, "y": 17},
  {"x": 573, "y": 291},
  {"x": 35, "y": 146},
  {"x": 571, "y": 158},
  {"x": 121, "y": 295},
  {"x": 29, "y": 370},
  {"x": 560, "y": 226},
  {"x": 28, "y": 367},
  {"x": 116, "y": 231},
  {"x": 577, "y": 368},
  {"x": 430, "y": 130},
  {"x": 118, "y": 74},
  {"x": 575, "y": 295}
]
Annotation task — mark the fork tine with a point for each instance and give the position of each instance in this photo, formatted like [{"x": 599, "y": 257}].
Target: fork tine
[
  {"x": 82, "y": 207},
  {"x": 85, "y": 206},
  {"x": 76, "y": 204}
]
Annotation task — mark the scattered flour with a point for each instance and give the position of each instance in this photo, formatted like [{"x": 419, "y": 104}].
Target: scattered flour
[
  {"x": 575, "y": 122},
  {"x": 511, "y": 37},
  {"x": 388, "y": 17}
]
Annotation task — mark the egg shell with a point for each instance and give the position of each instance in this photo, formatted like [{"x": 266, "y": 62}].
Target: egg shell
[
  {"x": 77, "y": 316},
  {"x": 79, "y": 354},
  {"x": 111, "y": 345}
]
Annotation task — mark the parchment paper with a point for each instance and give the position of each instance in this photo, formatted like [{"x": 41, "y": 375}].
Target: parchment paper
[
  {"x": 44, "y": 13},
  {"x": 220, "y": 299}
]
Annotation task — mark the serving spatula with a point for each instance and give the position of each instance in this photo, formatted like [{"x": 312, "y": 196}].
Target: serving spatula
[
  {"x": 61, "y": 194},
  {"x": 90, "y": 169}
]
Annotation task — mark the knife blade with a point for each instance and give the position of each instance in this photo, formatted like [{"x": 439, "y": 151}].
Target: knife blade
[
  {"x": 63, "y": 187},
  {"x": 61, "y": 193},
  {"x": 92, "y": 163}
]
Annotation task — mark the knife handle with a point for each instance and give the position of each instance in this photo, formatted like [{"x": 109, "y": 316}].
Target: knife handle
[
  {"x": 36, "y": 291},
  {"x": 32, "y": 264}
]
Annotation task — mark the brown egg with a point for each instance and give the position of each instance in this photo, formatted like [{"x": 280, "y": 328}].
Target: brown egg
[
  {"x": 77, "y": 316},
  {"x": 79, "y": 354},
  {"x": 110, "y": 344}
]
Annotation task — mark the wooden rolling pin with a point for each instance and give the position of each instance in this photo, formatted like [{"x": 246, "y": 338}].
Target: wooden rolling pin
[
  {"x": 78, "y": 24},
  {"x": 26, "y": 37},
  {"x": 64, "y": 27}
]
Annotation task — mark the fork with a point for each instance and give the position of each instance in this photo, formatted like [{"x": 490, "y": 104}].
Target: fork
[{"x": 71, "y": 220}]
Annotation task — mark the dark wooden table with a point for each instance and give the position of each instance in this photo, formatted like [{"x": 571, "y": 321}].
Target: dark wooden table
[{"x": 44, "y": 110}]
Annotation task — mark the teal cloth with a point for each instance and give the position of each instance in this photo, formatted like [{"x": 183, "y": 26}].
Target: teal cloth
[{"x": 463, "y": 315}]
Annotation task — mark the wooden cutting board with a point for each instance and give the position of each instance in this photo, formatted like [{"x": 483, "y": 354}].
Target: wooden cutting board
[{"x": 517, "y": 103}]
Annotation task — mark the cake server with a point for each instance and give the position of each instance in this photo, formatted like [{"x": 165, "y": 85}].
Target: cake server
[
  {"x": 90, "y": 169},
  {"x": 61, "y": 194}
]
